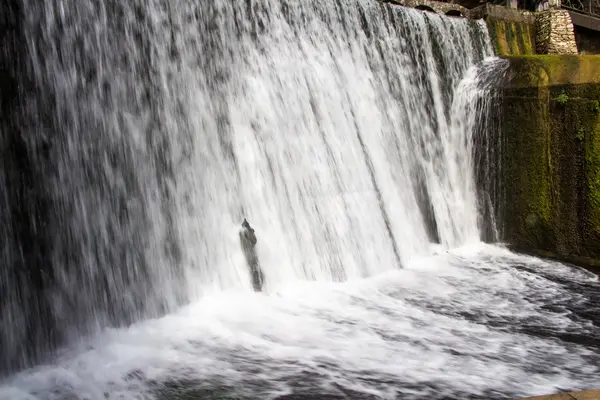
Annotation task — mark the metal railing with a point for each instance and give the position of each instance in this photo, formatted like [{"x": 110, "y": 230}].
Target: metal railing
[{"x": 590, "y": 7}]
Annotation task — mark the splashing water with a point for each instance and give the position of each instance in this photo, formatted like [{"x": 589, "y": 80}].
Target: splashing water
[
  {"x": 352, "y": 135},
  {"x": 162, "y": 124},
  {"x": 478, "y": 322}
]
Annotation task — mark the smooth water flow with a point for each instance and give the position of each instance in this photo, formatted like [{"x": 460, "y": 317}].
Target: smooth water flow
[{"x": 355, "y": 138}]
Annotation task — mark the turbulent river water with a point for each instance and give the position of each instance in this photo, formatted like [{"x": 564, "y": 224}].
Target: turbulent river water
[
  {"x": 360, "y": 141},
  {"x": 475, "y": 322}
]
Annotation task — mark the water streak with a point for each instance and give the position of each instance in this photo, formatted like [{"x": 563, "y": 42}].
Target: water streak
[{"x": 154, "y": 127}]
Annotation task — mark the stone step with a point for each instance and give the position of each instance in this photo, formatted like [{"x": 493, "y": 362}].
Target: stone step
[{"x": 585, "y": 395}]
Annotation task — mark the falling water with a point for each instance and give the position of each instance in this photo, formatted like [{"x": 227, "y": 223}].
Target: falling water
[
  {"x": 328, "y": 127},
  {"x": 475, "y": 115},
  {"x": 353, "y": 135},
  {"x": 153, "y": 128},
  {"x": 357, "y": 138}
]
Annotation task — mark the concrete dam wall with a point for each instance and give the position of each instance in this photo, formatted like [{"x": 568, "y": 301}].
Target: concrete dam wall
[{"x": 551, "y": 156}]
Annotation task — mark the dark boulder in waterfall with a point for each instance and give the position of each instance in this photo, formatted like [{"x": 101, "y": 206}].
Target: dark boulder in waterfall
[{"x": 248, "y": 241}]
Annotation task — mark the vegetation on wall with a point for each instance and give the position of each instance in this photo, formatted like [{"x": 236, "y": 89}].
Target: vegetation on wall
[
  {"x": 511, "y": 38},
  {"x": 551, "y": 140}
]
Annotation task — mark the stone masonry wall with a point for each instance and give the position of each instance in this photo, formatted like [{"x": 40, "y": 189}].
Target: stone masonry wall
[
  {"x": 513, "y": 32},
  {"x": 554, "y": 33}
]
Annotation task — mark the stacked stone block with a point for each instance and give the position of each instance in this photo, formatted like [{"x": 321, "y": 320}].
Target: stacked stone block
[{"x": 554, "y": 33}]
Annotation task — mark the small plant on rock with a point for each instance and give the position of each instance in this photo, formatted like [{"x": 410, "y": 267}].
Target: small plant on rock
[{"x": 562, "y": 99}]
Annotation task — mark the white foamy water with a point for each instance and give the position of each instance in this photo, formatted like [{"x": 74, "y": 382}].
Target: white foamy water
[
  {"x": 346, "y": 132},
  {"x": 471, "y": 322},
  {"x": 159, "y": 125},
  {"x": 333, "y": 117}
]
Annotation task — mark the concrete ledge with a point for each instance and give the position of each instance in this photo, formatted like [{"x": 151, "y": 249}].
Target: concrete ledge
[
  {"x": 502, "y": 13},
  {"x": 585, "y": 21},
  {"x": 586, "y": 395},
  {"x": 438, "y": 7},
  {"x": 551, "y": 70},
  {"x": 481, "y": 12}
]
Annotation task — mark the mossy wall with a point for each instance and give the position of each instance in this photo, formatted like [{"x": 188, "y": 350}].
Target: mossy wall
[
  {"x": 551, "y": 155},
  {"x": 544, "y": 71},
  {"x": 511, "y": 37}
]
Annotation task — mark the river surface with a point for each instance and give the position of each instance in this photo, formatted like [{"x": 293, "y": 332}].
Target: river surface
[{"x": 475, "y": 322}]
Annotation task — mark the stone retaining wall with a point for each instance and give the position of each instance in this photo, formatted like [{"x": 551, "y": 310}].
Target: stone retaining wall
[
  {"x": 586, "y": 395},
  {"x": 513, "y": 32},
  {"x": 551, "y": 156},
  {"x": 554, "y": 33}
]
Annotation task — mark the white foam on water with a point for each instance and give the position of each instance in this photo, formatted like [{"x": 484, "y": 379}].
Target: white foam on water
[
  {"x": 328, "y": 124},
  {"x": 445, "y": 325}
]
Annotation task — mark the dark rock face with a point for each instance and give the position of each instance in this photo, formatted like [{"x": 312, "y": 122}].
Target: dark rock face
[{"x": 248, "y": 241}]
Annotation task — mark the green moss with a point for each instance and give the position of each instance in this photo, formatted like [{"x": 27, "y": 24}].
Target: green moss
[
  {"x": 497, "y": 32},
  {"x": 528, "y": 171},
  {"x": 551, "y": 125},
  {"x": 530, "y": 42},
  {"x": 562, "y": 99},
  {"x": 592, "y": 168},
  {"x": 521, "y": 36},
  {"x": 510, "y": 38},
  {"x": 551, "y": 70},
  {"x": 543, "y": 188}
]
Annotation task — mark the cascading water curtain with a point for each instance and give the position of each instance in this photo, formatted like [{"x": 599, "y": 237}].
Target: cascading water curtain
[
  {"x": 143, "y": 132},
  {"x": 476, "y": 111}
]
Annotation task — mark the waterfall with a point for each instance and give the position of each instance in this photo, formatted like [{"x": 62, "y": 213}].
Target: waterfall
[
  {"x": 474, "y": 115},
  {"x": 150, "y": 129}
]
